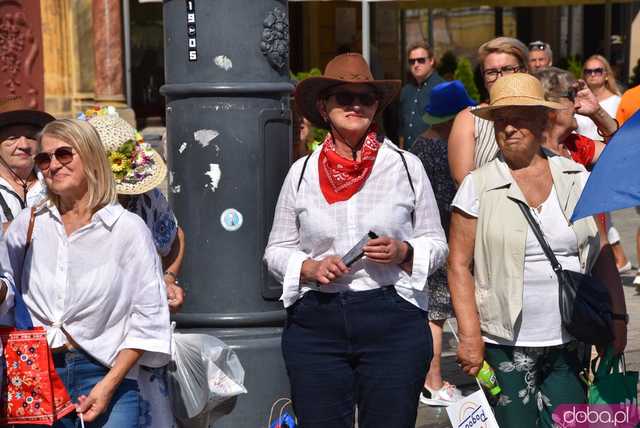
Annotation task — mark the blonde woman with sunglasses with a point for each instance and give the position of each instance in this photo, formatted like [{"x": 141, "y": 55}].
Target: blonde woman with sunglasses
[
  {"x": 599, "y": 77},
  {"x": 91, "y": 277}
]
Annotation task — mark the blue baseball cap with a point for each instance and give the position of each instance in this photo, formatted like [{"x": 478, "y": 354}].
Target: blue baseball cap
[{"x": 447, "y": 100}]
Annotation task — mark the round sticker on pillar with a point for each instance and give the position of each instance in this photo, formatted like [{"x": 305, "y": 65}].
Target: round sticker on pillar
[{"x": 231, "y": 219}]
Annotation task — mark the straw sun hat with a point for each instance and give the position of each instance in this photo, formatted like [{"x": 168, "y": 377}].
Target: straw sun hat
[
  {"x": 136, "y": 167},
  {"x": 345, "y": 68},
  {"x": 515, "y": 90}
]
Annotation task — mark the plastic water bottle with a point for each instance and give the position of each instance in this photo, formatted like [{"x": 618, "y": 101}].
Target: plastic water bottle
[{"x": 487, "y": 378}]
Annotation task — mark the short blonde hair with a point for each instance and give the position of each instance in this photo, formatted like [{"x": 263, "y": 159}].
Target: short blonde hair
[
  {"x": 84, "y": 139},
  {"x": 506, "y": 45},
  {"x": 609, "y": 83}
]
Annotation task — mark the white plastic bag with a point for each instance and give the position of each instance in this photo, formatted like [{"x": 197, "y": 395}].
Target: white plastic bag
[{"x": 204, "y": 373}]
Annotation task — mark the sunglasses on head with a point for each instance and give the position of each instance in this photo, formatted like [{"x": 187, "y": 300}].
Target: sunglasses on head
[
  {"x": 420, "y": 60},
  {"x": 64, "y": 155},
  {"x": 593, "y": 71},
  {"x": 537, "y": 46},
  {"x": 346, "y": 98}
]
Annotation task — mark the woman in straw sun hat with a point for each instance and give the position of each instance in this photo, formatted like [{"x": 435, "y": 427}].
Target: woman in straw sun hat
[
  {"x": 505, "y": 309},
  {"x": 356, "y": 331}
]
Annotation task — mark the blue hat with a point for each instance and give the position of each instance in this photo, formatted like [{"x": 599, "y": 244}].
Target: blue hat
[{"x": 447, "y": 100}]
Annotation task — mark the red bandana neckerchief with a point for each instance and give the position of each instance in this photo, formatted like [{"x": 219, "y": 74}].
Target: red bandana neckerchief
[{"x": 341, "y": 178}]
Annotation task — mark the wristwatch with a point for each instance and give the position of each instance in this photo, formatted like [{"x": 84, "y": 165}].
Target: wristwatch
[
  {"x": 409, "y": 256},
  {"x": 622, "y": 317}
]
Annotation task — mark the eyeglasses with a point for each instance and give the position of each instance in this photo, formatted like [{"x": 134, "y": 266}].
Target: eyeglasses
[
  {"x": 64, "y": 155},
  {"x": 593, "y": 71},
  {"x": 491, "y": 74},
  {"x": 536, "y": 46},
  {"x": 420, "y": 60},
  {"x": 346, "y": 98}
]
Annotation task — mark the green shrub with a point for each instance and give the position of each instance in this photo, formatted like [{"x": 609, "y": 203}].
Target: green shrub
[
  {"x": 574, "y": 65},
  {"x": 464, "y": 73}
]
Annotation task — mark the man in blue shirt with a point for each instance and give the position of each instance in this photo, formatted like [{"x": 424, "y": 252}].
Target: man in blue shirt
[{"x": 416, "y": 93}]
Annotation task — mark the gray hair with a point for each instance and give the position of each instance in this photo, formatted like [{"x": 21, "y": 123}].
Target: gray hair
[
  {"x": 556, "y": 82},
  {"x": 547, "y": 49}
]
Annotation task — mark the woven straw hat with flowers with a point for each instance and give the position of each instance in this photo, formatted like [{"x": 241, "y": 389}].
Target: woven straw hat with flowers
[{"x": 136, "y": 166}]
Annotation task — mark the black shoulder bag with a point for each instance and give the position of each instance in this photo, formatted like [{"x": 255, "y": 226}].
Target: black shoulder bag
[{"x": 585, "y": 305}]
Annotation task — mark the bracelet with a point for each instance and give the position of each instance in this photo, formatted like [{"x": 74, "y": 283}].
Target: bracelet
[
  {"x": 409, "y": 256},
  {"x": 610, "y": 135},
  {"x": 171, "y": 274}
]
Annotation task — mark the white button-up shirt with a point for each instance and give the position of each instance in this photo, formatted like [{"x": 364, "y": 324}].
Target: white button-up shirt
[
  {"x": 306, "y": 226},
  {"x": 102, "y": 285}
]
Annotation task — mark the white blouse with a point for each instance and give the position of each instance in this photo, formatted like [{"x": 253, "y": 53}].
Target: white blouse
[
  {"x": 306, "y": 226},
  {"x": 102, "y": 284},
  {"x": 540, "y": 323}
]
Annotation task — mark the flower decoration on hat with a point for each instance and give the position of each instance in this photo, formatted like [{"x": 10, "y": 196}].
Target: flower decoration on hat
[{"x": 136, "y": 166}]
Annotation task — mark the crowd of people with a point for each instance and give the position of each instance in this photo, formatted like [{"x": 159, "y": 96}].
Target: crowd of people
[
  {"x": 437, "y": 220},
  {"x": 376, "y": 243}
]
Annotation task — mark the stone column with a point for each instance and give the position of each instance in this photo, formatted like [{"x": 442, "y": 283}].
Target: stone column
[
  {"x": 57, "y": 57},
  {"x": 108, "y": 46}
]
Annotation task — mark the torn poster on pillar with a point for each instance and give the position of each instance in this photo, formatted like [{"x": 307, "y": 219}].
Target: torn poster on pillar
[
  {"x": 224, "y": 62},
  {"x": 231, "y": 219},
  {"x": 205, "y": 136},
  {"x": 214, "y": 174}
]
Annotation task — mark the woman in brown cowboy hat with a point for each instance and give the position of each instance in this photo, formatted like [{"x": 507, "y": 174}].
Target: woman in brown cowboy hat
[
  {"x": 356, "y": 331},
  {"x": 505, "y": 293}
]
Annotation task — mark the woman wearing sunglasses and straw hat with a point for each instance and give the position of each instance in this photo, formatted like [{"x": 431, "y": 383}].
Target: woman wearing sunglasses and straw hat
[
  {"x": 91, "y": 277},
  {"x": 356, "y": 331},
  {"x": 503, "y": 308}
]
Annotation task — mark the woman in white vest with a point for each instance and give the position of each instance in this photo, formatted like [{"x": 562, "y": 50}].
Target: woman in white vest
[{"x": 503, "y": 288}]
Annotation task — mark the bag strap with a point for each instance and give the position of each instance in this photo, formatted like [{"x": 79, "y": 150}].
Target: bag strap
[
  {"x": 22, "y": 317},
  {"x": 607, "y": 364},
  {"x": 535, "y": 227},
  {"x": 304, "y": 167},
  {"x": 406, "y": 168},
  {"x": 5, "y": 207}
]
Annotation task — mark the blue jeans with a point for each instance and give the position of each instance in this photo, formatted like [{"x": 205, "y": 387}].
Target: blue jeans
[
  {"x": 369, "y": 348},
  {"x": 80, "y": 373}
]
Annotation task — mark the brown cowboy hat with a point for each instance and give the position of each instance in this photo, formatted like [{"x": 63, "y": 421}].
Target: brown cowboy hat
[{"x": 345, "y": 68}]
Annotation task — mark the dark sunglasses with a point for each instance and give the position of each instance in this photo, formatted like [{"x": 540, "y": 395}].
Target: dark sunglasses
[
  {"x": 346, "y": 98},
  {"x": 64, "y": 155},
  {"x": 421, "y": 60},
  {"x": 537, "y": 46},
  {"x": 593, "y": 71}
]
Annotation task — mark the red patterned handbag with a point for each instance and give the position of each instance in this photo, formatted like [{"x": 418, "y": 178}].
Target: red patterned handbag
[{"x": 32, "y": 391}]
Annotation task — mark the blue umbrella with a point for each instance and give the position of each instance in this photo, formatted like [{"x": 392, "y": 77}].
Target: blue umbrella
[{"x": 614, "y": 183}]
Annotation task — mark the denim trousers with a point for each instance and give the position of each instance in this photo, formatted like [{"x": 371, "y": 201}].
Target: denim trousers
[
  {"x": 80, "y": 373},
  {"x": 367, "y": 349}
]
